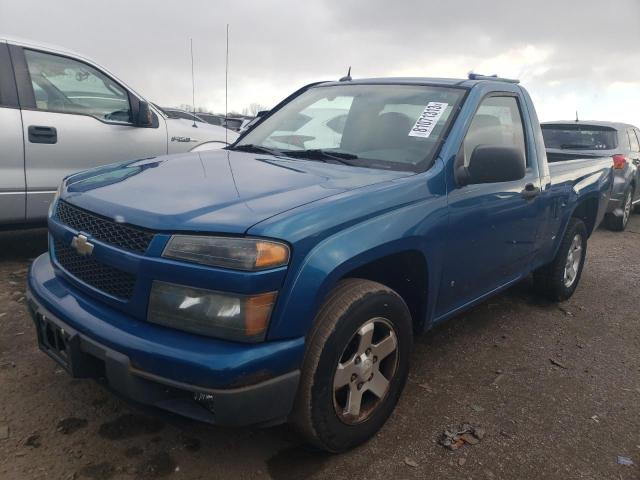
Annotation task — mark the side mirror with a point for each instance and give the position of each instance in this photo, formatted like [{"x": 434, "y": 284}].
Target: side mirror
[
  {"x": 491, "y": 164},
  {"x": 144, "y": 117},
  {"x": 261, "y": 113}
]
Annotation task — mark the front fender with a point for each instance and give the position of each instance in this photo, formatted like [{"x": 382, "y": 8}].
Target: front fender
[{"x": 417, "y": 227}]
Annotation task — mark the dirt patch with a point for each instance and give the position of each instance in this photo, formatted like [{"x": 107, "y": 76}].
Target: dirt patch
[
  {"x": 133, "y": 452},
  {"x": 128, "y": 426},
  {"x": 100, "y": 471},
  {"x": 70, "y": 425},
  {"x": 159, "y": 465},
  {"x": 296, "y": 462}
]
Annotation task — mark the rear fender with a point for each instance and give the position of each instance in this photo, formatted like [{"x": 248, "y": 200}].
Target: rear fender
[{"x": 595, "y": 189}]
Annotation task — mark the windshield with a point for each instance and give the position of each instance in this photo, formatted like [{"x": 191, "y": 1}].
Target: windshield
[
  {"x": 395, "y": 127},
  {"x": 579, "y": 137}
]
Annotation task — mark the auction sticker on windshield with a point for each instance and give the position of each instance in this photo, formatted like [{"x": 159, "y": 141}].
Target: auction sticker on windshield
[{"x": 428, "y": 119}]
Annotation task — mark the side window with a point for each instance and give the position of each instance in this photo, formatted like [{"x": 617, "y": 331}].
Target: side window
[
  {"x": 64, "y": 85},
  {"x": 497, "y": 122},
  {"x": 633, "y": 140}
]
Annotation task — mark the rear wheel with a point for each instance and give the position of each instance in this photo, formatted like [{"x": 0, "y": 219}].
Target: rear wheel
[
  {"x": 558, "y": 280},
  {"x": 355, "y": 367},
  {"x": 619, "y": 223}
]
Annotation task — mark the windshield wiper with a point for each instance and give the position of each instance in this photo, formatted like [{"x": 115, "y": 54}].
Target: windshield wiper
[
  {"x": 250, "y": 147},
  {"x": 319, "y": 154},
  {"x": 576, "y": 146}
]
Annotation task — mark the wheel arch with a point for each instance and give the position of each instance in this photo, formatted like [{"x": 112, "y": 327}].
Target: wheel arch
[
  {"x": 406, "y": 272},
  {"x": 587, "y": 211},
  {"x": 384, "y": 263}
]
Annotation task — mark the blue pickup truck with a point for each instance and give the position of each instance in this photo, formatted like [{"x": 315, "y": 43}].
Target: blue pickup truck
[{"x": 284, "y": 278}]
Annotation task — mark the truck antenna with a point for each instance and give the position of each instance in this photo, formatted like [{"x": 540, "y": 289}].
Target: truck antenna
[
  {"x": 226, "y": 90},
  {"x": 577, "y": 120},
  {"x": 193, "y": 88},
  {"x": 347, "y": 78}
]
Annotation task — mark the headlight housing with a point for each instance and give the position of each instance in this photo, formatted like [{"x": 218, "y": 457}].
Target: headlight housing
[
  {"x": 228, "y": 316},
  {"x": 248, "y": 254}
]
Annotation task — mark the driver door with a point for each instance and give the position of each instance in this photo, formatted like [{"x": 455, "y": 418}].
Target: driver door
[
  {"x": 74, "y": 118},
  {"x": 492, "y": 226}
]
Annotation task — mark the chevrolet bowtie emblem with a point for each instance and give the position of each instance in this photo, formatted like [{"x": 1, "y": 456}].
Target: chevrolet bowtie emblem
[{"x": 81, "y": 245}]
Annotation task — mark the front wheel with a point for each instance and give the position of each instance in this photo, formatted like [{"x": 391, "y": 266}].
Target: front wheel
[
  {"x": 559, "y": 279},
  {"x": 356, "y": 365}
]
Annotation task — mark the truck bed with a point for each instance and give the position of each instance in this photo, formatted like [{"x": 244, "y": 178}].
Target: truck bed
[{"x": 578, "y": 170}]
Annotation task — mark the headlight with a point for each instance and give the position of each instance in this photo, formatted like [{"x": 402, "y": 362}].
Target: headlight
[
  {"x": 235, "y": 253},
  {"x": 229, "y": 316}
]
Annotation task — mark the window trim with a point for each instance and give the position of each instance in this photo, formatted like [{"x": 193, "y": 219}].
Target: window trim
[
  {"x": 8, "y": 90},
  {"x": 26, "y": 94},
  {"x": 460, "y": 157},
  {"x": 631, "y": 131}
]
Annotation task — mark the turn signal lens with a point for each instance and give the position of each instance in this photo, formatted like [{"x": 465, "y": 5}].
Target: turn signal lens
[
  {"x": 271, "y": 254},
  {"x": 257, "y": 310},
  {"x": 228, "y": 252}
]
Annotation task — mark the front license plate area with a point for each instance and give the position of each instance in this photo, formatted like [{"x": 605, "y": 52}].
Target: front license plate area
[
  {"x": 64, "y": 347},
  {"x": 54, "y": 340}
]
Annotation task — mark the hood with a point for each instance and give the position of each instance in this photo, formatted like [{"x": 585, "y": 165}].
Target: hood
[
  {"x": 205, "y": 132},
  {"x": 212, "y": 191}
]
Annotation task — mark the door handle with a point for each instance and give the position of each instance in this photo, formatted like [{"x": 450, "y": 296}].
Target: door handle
[
  {"x": 39, "y": 134},
  {"x": 530, "y": 191}
]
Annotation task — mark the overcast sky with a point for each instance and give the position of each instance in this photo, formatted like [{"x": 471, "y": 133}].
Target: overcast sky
[{"x": 571, "y": 54}]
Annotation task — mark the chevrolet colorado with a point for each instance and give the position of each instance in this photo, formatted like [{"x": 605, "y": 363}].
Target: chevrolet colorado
[{"x": 271, "y": 281}]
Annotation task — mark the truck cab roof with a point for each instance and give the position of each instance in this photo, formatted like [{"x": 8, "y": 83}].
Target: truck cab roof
[{"x": 432, "y": 81}]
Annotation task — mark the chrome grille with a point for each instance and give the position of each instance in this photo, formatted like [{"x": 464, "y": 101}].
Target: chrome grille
[
  {"x": 103, "y": 277},
  {"x": 119, "y": 235}
]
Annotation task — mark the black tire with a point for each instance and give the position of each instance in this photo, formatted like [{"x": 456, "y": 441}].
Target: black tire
[
  {"x": 619, "y": 223},
  {"x": 352, "y": 304},
  {"x": 549, "y": 280}
]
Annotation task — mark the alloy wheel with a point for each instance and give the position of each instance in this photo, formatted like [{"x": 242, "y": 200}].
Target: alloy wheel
[
  {"x": 365, "y": 370},
  {"x": 574, "y": 257},
  {"x": 627, "y": 209}
]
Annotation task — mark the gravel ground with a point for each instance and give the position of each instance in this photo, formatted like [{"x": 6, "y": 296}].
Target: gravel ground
[{"x": 555, "y": 387}]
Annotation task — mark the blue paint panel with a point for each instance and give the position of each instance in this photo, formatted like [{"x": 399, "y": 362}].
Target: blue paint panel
[{"x": 169, "y": 353}]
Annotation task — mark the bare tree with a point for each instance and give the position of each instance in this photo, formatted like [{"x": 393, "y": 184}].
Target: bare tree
[{"x": 254, "y": 108}]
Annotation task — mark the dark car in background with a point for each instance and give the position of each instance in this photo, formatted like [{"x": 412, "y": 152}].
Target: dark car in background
[
  {"x": 232, "y": 123},
  {"x": 569, "y": 140},
  {"x": 176, "y": 113},
  {"x": 212, "y": 118}
]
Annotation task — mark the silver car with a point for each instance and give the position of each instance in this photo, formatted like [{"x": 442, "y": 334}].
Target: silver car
[
  {"x": 61, "y": 113},
  {"x": 567, "y": 140}
]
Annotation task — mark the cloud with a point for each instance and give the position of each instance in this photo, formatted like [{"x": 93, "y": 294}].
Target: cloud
[{"x": 570, "y": 54}]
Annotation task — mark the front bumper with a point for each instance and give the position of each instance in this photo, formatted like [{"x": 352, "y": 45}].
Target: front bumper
[{"x": 223, "y": 383}]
